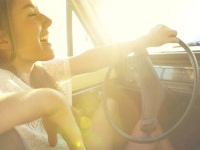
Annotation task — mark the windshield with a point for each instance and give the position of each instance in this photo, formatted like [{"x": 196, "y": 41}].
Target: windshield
[{"x": 129, "y": 19}]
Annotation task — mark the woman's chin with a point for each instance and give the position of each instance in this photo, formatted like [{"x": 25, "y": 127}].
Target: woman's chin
[{"x": 48, "y": 55}]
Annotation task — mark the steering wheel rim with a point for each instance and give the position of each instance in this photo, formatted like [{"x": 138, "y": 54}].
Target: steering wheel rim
[{"x": 163, "y": 135}]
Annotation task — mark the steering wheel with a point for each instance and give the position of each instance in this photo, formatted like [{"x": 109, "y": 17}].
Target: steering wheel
[{"x": 148, "y": 125}]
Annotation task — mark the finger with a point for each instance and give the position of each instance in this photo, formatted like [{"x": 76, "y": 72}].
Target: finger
[
  {"x": 51, "y": 132},
  {"x": 52, "y": 138},
  {"x": 172, "y": 33},
  {"x": 172, "y": 40}
]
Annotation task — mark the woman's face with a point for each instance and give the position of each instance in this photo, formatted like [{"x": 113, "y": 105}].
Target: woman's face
[{"x": 30, "y": 33}]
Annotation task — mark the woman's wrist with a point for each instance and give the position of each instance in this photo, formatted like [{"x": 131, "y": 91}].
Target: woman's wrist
[
  {"x": 140, "y": 45},
  {"x": 143, "y": 42},
  {"x": 140, "y": 52},
  {"x": 137, "y": 46}
]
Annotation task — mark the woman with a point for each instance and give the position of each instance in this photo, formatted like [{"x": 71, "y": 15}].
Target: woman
[{"x": 24, "y": 40}]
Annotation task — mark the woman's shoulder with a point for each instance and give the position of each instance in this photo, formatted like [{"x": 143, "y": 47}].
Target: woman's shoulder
[
  {"x": 57, "y": 68},
  {"x": 11, "y": 83}
]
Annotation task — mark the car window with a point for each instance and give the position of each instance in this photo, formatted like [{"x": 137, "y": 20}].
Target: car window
[{"x": 81, "y": 39}]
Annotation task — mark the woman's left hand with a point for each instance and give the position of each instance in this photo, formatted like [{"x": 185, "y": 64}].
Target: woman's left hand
[{"x": 160, "y": 35}]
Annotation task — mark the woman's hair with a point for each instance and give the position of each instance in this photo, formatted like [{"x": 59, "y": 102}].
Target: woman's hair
[
  {"x": 39, "y": 78},
  {"x": 6, "y": 27}
]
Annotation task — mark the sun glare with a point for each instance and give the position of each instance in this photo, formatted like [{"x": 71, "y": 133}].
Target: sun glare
[{"x": 130, "y": 19}]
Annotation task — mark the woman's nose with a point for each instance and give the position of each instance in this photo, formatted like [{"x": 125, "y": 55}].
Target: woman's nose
[{"x": 46, "y": 21}]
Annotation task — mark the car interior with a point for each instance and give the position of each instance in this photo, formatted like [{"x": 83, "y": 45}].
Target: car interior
[{"x": 174, "y": 68}]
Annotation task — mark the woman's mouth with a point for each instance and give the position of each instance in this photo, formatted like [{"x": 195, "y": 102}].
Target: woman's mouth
[{"x": 44, "y": 38}]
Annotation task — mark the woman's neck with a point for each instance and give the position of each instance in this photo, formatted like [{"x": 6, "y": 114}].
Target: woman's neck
[{"x": 25, "y": 76}]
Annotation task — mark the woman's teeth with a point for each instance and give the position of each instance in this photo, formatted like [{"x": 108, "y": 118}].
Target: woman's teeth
[{"x": 44, "y": 38}]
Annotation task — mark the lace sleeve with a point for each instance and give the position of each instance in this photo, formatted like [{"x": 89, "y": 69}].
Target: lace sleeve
[{"x": 10, "y": 83}]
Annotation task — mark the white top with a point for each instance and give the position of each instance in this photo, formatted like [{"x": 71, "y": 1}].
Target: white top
[{"x": 33, "y": 132}]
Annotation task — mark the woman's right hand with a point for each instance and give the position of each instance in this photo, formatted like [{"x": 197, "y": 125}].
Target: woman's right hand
[{"x": 61, "y": 121}]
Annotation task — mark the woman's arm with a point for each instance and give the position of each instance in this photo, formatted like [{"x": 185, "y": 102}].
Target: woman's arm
[
  {"x": 19, "y": 108},
  {"x": 103, "y": 56}
]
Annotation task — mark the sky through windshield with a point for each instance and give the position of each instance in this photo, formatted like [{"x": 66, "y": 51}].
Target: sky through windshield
[{"x": 127, "y": 19}]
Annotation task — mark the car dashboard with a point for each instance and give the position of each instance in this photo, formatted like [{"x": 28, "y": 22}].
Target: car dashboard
[{"x": 174, "y": 70}]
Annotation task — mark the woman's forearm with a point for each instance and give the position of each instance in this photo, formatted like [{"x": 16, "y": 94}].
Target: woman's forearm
[
  {"x": 19, "y": 108},
  {"x": 102, "y": 56}
]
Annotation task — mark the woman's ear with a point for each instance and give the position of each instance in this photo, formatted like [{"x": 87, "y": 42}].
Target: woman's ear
[{"x": 4, "y": 41}]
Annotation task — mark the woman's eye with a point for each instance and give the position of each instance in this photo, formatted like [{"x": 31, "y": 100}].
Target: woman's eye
[{"x": 33, "y": 14}]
